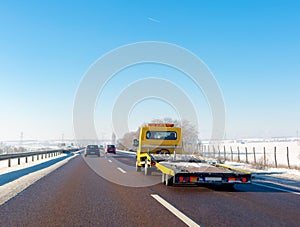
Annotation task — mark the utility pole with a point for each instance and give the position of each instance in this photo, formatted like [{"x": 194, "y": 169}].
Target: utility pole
[
  {"x": 21, "y": 138},
  {"x": 113, "y": 138}
]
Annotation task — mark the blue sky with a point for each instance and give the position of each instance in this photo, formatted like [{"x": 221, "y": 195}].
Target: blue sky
[{"x": 251, "y": 47}]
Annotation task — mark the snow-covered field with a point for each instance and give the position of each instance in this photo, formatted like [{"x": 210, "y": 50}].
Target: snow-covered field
[
  {"x": 8, "y": 147},
  {"x": 256, "y": 149}
]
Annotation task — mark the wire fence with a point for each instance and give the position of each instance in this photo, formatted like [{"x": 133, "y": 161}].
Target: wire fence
[{"x": 286, "y": 155}]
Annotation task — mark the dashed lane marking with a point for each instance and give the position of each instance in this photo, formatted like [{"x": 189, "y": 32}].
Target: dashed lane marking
[
  {"x": 123, "y": 171},
  {"x": 175, "y": 211}
]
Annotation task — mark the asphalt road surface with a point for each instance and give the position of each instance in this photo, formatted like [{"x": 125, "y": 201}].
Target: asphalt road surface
[{"x": 107, "y": 191}]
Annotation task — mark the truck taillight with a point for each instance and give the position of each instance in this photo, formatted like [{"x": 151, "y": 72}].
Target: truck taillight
[
  {"x": 193, "y": 179},
  {"x": 231, "y": 179},
  {"x": 183, "y": 179},
  {"x": 244, "y": 180}
]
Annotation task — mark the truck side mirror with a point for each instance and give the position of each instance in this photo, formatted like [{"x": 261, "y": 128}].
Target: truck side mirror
[{"x": 135, "y": 143}]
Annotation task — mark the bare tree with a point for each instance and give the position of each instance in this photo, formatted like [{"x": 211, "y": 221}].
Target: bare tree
[{"x": 126, "y": 142}]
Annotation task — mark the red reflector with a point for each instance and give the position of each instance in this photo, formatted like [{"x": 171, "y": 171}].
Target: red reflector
[
  {"x": 152, "y": 163},
  {"x": 193, "y": 179},
  {"x": 244, "y": 179},
  {"x": 183, "y": 179},
  {"x": 231, "y": 179}
]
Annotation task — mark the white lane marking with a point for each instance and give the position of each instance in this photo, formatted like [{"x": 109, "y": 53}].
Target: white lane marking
[
  {"x": 175, "y": 211},
  {"x": 123, "y": 171},
  {"x": 279, "y": 189},
  {"x": 109, "y": 160}
]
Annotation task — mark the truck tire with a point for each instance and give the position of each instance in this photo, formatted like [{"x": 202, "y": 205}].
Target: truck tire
[
  {"x": 169, "y": 181},
  {"x": 137, "y": 168},
  {"x": 227, "y": 187},
  {"x": 147, "y": 169},
  {"x": 163, "y": 177}
]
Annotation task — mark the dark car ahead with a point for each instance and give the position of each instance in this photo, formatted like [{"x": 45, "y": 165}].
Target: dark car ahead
[
  {"x": 110, "y": 149},
  {"x": 92, "y": 150}
]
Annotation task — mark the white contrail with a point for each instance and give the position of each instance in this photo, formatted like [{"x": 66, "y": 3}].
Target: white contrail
[{"x": 153, "y": 20}]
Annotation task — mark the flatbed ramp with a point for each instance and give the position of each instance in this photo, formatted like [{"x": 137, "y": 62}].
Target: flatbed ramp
[{"x": 195, "y": 167}]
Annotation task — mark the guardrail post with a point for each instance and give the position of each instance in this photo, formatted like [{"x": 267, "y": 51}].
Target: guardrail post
[
  {"x": 37, "y": 157},
  {"x": 26, "y": 159},
  {"x": 19, "y": 161},
  {"x": 9, "y": 163},
  {"x": 287, "y": 156},
  {"x": 275, "y": 159},
  {"x": 231, "y": 153},
  {"x": 246, "y": 155},
  {"x": 214, "y": 151},
  {"x": 238, "y": 149},
  {"x": 224, "y": 153},
  {"x": 219, "y": 152}
]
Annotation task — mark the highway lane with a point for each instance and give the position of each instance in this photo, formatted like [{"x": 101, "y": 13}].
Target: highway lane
[
  {"x": 76, "y": 195},
  {"x": 259, "y": 204}
]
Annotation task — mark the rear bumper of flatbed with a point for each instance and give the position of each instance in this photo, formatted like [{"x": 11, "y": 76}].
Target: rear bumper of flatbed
[{"x": 221, "y": 175}]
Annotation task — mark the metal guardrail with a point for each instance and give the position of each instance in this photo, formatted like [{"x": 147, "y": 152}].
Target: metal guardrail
[{"x": 38, "y": 154}]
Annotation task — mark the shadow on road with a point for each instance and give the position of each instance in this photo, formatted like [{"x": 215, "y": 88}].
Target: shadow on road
[{"x": 11, "y": 176}]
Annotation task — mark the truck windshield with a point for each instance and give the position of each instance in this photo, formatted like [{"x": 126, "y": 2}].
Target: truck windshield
[{"x": 161, "y": 135}]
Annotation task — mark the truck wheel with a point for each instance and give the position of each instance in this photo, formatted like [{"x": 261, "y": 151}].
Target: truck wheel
[
  {"x": 147, "y": 169},
  {"x": 163, "y": 177},
  {"x": 227, "y": 187},
  {"x": 137, "y": 168},
  {"x": 169, "y": 182}
]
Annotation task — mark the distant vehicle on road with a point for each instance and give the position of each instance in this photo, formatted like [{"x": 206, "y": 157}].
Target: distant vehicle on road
[
  {"x": 92, "y": 150},
  {"x": 110, "y": 149}
]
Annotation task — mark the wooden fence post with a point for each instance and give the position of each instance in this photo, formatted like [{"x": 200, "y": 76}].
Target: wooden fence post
[
  {"x": 275, "y": 159},
  {"x": 265, "y": 161},
  {"x": 287, "y": 156}
]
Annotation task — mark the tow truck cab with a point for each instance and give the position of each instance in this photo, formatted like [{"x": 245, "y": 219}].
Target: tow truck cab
[{"x": 158, "y": 139}]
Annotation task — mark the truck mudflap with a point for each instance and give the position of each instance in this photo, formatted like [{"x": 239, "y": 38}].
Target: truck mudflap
[{"x": 211, "y": 178}]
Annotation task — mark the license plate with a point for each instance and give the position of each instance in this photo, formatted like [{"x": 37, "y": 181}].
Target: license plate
[{"x": 213, "y": 178}]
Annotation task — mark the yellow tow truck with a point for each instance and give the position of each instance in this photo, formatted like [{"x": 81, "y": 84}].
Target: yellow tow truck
[{"x": 159, "y": 148}]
